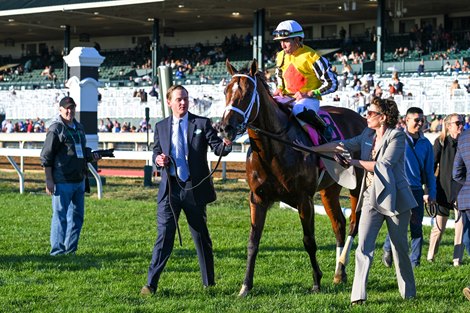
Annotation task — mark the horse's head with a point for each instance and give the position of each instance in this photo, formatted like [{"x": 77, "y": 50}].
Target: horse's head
[{"x": 241, "y": 101}]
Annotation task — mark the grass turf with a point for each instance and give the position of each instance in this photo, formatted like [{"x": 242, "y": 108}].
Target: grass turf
[{"x": 115, "y": 248}]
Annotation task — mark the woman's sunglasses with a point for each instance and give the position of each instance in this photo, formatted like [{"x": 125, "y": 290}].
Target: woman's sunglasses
[
  {"x": 457, "y": 123},
  {"x": 373, "y": 113}
]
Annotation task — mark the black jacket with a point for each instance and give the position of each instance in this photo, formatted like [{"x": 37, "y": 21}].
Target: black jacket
[{"x": 59, "y": 152}]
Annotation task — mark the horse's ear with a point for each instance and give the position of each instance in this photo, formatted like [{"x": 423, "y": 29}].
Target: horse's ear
[
  {"x": 254, "y": 67},
  {"x": 230, "y": 68}
]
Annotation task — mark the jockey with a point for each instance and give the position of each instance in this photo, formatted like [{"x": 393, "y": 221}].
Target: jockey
[{"x": 302, "y": 74}]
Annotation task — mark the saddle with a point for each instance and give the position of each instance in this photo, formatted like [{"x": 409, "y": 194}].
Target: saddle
[{"x": 316, "y": 136}]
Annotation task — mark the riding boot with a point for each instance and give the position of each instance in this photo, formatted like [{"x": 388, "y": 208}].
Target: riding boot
[{"x": 311, "y": 117}]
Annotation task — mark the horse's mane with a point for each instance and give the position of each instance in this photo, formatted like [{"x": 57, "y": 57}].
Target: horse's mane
[{"x": 262, "y": 78}]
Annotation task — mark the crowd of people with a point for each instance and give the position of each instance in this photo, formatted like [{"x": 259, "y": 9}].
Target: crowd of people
[
  {"x": 398, "y": 160},
  {"x": 27, "y": 126}
]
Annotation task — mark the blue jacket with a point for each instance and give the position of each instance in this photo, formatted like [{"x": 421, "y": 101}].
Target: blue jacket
[{"x": 424, "y": 151}]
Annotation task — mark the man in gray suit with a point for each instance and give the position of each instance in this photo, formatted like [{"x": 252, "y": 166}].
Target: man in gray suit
[{"x": 180, "y": 146}]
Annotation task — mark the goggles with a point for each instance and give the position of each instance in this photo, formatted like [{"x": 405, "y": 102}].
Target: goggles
[{"x": 284, "y": 33}]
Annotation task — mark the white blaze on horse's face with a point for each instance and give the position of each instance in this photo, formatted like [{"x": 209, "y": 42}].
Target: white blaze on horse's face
[{"x": 235, "y": 87}]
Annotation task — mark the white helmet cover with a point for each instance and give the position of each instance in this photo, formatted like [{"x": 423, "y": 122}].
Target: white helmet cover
[{"x": 288, "y": 29}]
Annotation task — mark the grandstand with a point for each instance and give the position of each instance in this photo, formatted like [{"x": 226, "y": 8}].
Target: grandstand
[{"x": 200, "y": 36}]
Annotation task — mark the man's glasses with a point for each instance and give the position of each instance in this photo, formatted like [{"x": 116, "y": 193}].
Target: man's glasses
[
  {"x": 457, "y": 123},
  {"x": 373, "y": 113},
  {"x": 283, "y": 33}
]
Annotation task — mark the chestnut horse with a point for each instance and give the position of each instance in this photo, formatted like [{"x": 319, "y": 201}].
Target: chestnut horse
[{"x": 277, "y": 172}]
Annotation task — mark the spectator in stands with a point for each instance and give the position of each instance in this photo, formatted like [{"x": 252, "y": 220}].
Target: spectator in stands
[
  {"x": 457, "y": 67},
  {"x": 48, "y": 72},
  {"x": 347, "y": 68},
  {"x": 28, "y": 66},
  {"x": 8, "y": 127},
  {"x": 303, "y": 73},
  {"x": 421, "y": 67},
  {"x": 378, "y": 92},
  {"x": 116, "y": 127},
  {"x": 455, "y": 85},
  {"x": 125, "y": 127},
  {"x": 447, "y": 68},
  {"x": 370, "y": 80},
  {"x": 436, "y": 124},
  {"x": 29, "y": 126},
  {"x": 398, "y": 85},
  {"x": 109, "y": 125},
  {"x": 445, "y": 147},
  {"x": 465, "y": 67},
  {"x": 179, "y": 74},
  {"x": 66, "y": 144},
  {"x": 467, "y": 122},
  {"x": 343, "y": 81},
  {"x": 102, "y": 127},
  {"x": 467, "y": 86}
]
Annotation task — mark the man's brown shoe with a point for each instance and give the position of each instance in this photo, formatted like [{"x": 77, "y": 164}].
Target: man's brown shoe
[
  {"x": 147, "y": 291},
  {"x": 466, "y": 292}
]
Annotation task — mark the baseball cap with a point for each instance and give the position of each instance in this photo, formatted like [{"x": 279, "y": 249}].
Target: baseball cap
[{"x": 66, "y": 102}]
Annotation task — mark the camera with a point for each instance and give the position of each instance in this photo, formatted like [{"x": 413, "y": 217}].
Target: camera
[{"x": 106, "y": 153}]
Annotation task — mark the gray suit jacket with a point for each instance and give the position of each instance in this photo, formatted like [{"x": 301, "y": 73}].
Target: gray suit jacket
[
  {"x": 201, "y": 135},
  {"x": 390, "y": 193}
]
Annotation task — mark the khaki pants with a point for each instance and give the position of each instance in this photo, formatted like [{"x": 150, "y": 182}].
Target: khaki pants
[{"x": 436, "y": 236}]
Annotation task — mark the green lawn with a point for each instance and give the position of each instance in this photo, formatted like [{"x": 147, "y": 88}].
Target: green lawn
[{"x": 115, "y": 249}]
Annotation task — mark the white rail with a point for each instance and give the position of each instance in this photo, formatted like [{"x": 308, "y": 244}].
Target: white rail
[{"x": 9, "y": 153}]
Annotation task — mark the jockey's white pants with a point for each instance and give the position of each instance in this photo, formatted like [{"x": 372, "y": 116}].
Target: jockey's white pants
[{"x": 307, "y": 103}]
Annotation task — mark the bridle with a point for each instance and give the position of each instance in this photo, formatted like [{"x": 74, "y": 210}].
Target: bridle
[{"x": 247, "y": 113}]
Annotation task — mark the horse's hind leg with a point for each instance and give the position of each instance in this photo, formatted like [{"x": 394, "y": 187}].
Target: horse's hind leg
[
  {"x": 258, "y": 219},
  {"x": 330, "y": 199},
  {"x": 307, "y": 218}
]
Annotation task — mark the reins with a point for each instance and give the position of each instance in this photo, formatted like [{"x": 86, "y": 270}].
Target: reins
[
  {"x": 167, "y": 170},
  {"x": 247, "y": 124},
  {"x": 289, "y": 143}
]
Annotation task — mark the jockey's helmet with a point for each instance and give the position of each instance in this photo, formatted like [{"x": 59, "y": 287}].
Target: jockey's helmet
[{"x": 288, "y": 29}]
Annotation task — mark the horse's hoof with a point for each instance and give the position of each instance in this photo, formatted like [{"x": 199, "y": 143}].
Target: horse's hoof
[
  {"x": 315, "y": 289},
  {"x": 244, "y": 291},
  {"x": 340, "y": 279},
  {"x": 337, "y": 279}
]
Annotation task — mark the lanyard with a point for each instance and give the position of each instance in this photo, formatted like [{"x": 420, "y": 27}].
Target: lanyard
[{"x": 73, "y": 139}]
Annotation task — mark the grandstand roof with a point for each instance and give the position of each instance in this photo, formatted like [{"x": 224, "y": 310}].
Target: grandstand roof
[{"x": 30, "y": 20}]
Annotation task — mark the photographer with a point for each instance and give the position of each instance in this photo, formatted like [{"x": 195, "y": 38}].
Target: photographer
[{"x": 64, "y": 157}]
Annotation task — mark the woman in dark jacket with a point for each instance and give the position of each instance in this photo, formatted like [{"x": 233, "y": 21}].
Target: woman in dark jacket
[{"x": 445, "y": 148}]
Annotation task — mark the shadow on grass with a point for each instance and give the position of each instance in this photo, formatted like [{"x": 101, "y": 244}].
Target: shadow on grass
[{"x": 70, "y": 262}]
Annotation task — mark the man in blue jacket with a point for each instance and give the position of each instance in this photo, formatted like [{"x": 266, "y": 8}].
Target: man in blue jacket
[{"x": 419, "y": 170}]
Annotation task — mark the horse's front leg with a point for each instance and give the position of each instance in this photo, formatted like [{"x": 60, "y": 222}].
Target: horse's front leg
[
  {"x": 307, "y": 218},
  {"x": 258, "y": 219},
  {"x": 330, "y": 200}
]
